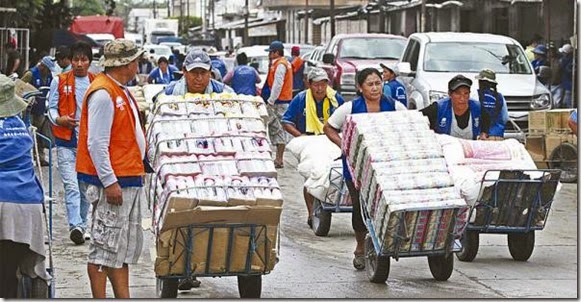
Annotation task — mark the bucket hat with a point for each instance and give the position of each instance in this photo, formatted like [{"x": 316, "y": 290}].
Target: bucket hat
[
  {"x": 487, "y": 75},
  {"x": 391, "y": 67},
  {"x": 10, "y": 103},
  {"x": 317, "y": 74},
  {"x": 120, "y": 52}
]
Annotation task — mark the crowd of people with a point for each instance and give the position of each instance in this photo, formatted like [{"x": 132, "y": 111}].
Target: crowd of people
[{"x": 100, "y": 141}]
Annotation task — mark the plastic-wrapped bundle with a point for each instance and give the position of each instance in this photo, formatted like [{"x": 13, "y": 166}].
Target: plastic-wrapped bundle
[{"x": 200, "y": 146}]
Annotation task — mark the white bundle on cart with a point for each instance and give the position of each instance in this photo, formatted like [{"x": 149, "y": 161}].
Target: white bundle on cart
[{"x": 398, "y": 165}]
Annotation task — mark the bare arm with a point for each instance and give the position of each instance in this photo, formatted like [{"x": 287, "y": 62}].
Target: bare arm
[
  {"x": 290, "y": 128},
  {"x": 573, "y": 126}
]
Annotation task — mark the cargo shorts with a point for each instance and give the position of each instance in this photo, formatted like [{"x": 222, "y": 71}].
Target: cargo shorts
[
  {"x": 116, "y": 233},
  {"x": 275, "y": 131}
]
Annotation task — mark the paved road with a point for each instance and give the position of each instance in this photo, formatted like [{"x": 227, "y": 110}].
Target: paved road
[{"x": 320, "y": 267}]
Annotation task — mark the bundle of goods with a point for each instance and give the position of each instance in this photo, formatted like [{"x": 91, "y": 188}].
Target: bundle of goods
[
  {"x": 468, "y": 163},
  {"x": 212, "y": 163},
  {"x": 399, "y": 167}
]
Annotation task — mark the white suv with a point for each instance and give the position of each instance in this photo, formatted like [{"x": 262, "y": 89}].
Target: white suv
[{"x": 430, "y": 60}]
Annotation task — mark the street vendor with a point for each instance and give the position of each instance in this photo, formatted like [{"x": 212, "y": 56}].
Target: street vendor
[
  {"x": 468, "y": 121},
  {"x": 110, "y": 159},
  {"x": 309, "y": 111},
  {"x": 197, "y": 69},
  {"x": 370, "y": 99},
  {"x": 21, "y": 198}
]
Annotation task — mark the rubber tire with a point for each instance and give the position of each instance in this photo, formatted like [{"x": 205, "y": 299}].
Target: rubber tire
[
  {"x": 377, "y": 267},
  {"x": 565, "y": 152},
  {"x": 250, "y": 286},
  {"x": 166, "y": 287},
  {"x": 521, "y": 245},
  {"x": 321, "y": 219},
  {"x": 470, "y": 242},
  {"x": 441, "y": 266}
]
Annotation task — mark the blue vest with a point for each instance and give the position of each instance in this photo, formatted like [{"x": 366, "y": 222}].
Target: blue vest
[
  {"x": 397, "y": 91},
  {"x": 40, "y": 106},
  {"x": 298, "y": 83},
  {"x": 164, "y": 78},
  {"x": 359, "y": 106},
  {"x": 244, "y": 79},
  {"x": 19, "y": 182},
  {"x": 497, "y": 125},
  {"x": 445, "y": 116},
  {"x": 219, "y": 64}
]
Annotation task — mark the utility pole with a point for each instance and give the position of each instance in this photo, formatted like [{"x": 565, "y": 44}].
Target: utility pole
[
  {"x": 423, "y": 17},
  {"x": 154, "y": 10},
  {"x": 332, "y": 18},
  {"x": 246, "y": 13},
  {"x": 306, "y": 21}
]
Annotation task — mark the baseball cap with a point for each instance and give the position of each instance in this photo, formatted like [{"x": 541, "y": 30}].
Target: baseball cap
[
  {"x": 541, "y": 49},
  {"x": 295, "y": 50},
  {"x": 275, "y": 45},
  {"x": 197, "y": 58},
  {"x": 487, "y": 75},
  {"x": 317, "y": 74},
  {"x": 391, "y": 67},
  {"x": 459, "y": 81},
  {"x": 567, "y": 48}
]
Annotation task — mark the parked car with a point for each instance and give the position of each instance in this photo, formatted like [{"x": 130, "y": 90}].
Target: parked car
[
  {"x": 346, "y": 54},
  {"x": 156, "y": 51},
  {"x": 313, "y": 58},
  {"x": 430, "y": 60}
]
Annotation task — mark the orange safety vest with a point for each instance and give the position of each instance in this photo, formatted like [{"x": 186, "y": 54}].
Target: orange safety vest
[
  {"x": 297, "y": 63},
  {"x": 67, "y": 103},
  {"x": 286, "y": 94},
  {"x": 124, "y": 152}
]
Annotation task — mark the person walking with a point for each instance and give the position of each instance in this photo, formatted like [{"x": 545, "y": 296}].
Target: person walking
[
  {"x": 566, "y": 66},
  {"x": 243, "y": 78},
  {"x": 279, "y": 82},
  {"x": 493, "y": 103},
  {"x": 370, "y": 99},
  {"x": 308, "y": 112},
  {"x": 67, "y": 92},
  {"x": 217, "y": 63},
  {"x": 163, "y": 73},
  {"x": 540, "y": 53},
  {"x": 298, "y": 65},
  {"x": 13, "y": 60},
  {"x": 458, "y": 115},
  {"x": 63, "y": 58},
  {"x": 22, "y": 249},
  {"x": 111, "y": 162},
  {"x": 391, "y": 86},
  {"x": 554, "y": 83}
]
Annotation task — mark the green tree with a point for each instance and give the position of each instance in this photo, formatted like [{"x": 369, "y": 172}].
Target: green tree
[
  {"x": 88, "y": 8},
  {"x": 27, "y": 11}
]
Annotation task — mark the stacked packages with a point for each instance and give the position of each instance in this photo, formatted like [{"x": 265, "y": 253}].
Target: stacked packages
[
  {"x": 213, "y": 165},
  {"x": 398, "y": 165}
]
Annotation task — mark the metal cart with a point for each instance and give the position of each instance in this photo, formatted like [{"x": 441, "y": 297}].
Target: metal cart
[
  {"x": 337, "y": 200},
  {"x": 516, "y": 203},
  {"x": 408, "y": 235},
  {"x": 249, "y": 277}
]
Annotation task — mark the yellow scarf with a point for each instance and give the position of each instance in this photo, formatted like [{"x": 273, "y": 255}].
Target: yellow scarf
[{"x": 314, "y": 125}]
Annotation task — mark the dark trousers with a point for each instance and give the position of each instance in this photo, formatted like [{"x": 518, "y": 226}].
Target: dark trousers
[
  {"x": 356, "y": 217},
  {"x": 11, "y": 254}
]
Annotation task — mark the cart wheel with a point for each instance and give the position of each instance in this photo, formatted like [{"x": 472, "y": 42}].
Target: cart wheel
[
  {"x": 470, "y": 241},
  {"x": 441, "y": 266},
  {"x": 377, "y": 267},
  {"x": 321, "y": 219},
  {"x": 167, "y": 288},
  {"x": 564, "y": 157},
  {"x": 521, "y": 245},
  {"x": 250, "y": 286}
]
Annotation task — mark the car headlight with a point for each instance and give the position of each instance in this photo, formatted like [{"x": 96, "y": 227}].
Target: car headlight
[
  {"x": 541, "y": 101},
  {"x": 437, "y": 95},
  {"x": 348, "y": 79}
]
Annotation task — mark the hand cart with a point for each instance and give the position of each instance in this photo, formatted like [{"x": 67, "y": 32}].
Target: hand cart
[
  {"x": 434, "y": 233},
  {"x": 512, "y": 202},
  {"x": 199, "y": 240},
  {"x": 337, "y": 200}
]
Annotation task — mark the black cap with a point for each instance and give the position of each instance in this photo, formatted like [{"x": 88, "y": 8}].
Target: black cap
[{"x": 459, "y": 81}]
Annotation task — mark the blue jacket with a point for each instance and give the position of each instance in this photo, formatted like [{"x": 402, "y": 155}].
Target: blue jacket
[
  {"x": 17, "y": 176},
  {"x": 566, "y": 63},
  {"x": 496, "y": 110},
  {"x": 296, "y": 112},
  {"x": 219, "y": 64},
  {"x": 444, "y": 125},
  {"x": 244, "y": 80},
  {"x": 40, "y": 106},
  {"x": 359, "y": 106},
  {"x": 166, "y": 78},
  {"x": 396, "y": 90}
]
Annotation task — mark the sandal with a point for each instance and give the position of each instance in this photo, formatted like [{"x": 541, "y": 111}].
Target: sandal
[{"x": 359, "y": 262}]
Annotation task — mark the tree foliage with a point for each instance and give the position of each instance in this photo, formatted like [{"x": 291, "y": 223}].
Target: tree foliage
[{"x": 88, "y": 8}]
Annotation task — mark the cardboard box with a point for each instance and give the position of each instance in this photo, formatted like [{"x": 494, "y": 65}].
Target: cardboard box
[
  {"x": 548, "y": 121},
  {"x": 535, "y": 145},
  {"x": 552, "y": 141},
  {"x": 211, "y": 256}
]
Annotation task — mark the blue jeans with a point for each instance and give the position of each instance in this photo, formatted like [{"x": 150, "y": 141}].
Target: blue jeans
[{"x": 75, "y": 197}]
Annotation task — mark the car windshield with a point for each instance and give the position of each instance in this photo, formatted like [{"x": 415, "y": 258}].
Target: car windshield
[
  {"x": 474, "y": 56},
  {"x": 162, "y": 51},
  {"x": 371, "y": 48}
]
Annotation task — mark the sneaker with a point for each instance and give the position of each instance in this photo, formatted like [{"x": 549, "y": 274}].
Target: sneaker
[{"x": 76, "y": 236}]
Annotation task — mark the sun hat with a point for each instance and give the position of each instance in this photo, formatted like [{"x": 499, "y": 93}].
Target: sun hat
[
  {"x": 459, "y": 81},
  {"x": 197, "y": 58},
  {"x": 317, "y": 74},
  {"x": 10, "y": 103},
  {"x": 487, "y": 75},
  {"x": 120, "y": 52}
]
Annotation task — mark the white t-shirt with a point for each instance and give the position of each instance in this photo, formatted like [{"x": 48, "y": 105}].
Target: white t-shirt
[{"x": 339, "y": 116}]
